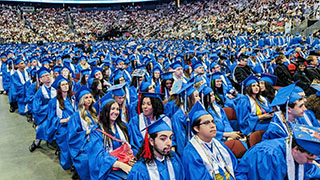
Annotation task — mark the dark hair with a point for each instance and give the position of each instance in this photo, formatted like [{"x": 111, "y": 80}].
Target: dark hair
[
  {"x": 148, "y": 67},
  {"x": 248, "y": 91},
  {"x": 301, "y": 149},
  {"x": 163, "y": 86},
  {"x": 313, "y": 104},
  {"x": 207, "y": 103},
  {"x": 217, "y": 91},
  {"x": 135, "y": 81},
  {"x": 283, "y": 107},
  {"x": 60, "y": 98},
  {"x": 95, "y": 91},
  {"x": 157, "y": 106},
  {"x": 141, "y": 150},
  {"x": 104, "y": 122},
  {"x": 176, "y": 99},
  {"x": 190, "y": 101},
  {"x": 83, "y": 80},
  {"x": 269, "y": 92}
]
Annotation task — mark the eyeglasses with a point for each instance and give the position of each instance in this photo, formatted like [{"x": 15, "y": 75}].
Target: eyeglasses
[{"x": 207, "y": 122}]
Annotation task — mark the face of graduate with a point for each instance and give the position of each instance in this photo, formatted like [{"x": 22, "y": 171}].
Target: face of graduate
[
  {"x": 120, "y": 65},
  {"x": 45, "y": 78},
  {"x": 55, "y": 74},
  {"x": 218, "y": 83},
  {"x": 119, "y": 99},
  {"x": 302, "y": 157},
  {"x": 298, "y": 110},
  {"x": 255, "y": 88},
  {"x": 34, "y": 63},
  {"x": 217, "y": 68},
  {"x": 262, "y": 85},
  {"x": 196, "y": 96},
  {"x": 46, "y": 66},
  {"x": 140, "y": 80},
  {"x": 21, "y": 65},
  {"x": 88, "y": 99},
  {"x": 168, "y": 84},
  {"x": 147, "y": 108},
  {"x": 64, "y": 85},
  {"x": 206, "y": 129},
  {"x": 199, "y": 70},
  {"x": 302, "y": 67},
  {"x": 151, "y": 89},
  {"x": 162, "y": 143},
  {"x": 122, "y": 80},
  {"x": 86, "y": 77},
  {"x": 65, "y": 73},
  {"x": 156, "y": 74},
  {"x": 243, "y": 62},
  {"x": 114, "y": 111},
  {"x": 83, "y": 62},
  {"x": 98, "y": 75},
  {"x": 178, "y": 72}
]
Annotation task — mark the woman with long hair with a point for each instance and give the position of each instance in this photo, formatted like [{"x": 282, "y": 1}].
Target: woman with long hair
[
  {"x": 96, "y": 88},
  {"x": 60, "y": 108},
  {"x": 100, "y": 145},
  {"x": 79, "y": 126},
  {"x": 266, "y": 83},
  {"x": 151, "y": 109},
  {"x": 84, "y": 76},
  {"x": 253, "y": 110}
]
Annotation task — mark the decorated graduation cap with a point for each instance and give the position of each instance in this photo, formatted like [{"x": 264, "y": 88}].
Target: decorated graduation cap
[
  {"x": 139, "y": 72},
  {"x": 248, "y": 81},
  {"x": 42, "y": 71},
  {"x": 117, "y": 90},
  {"x": 177, "y": 85},
  {"x": 307, "y": 137},
  {"x": 158, "y": 126},
  {"x": 272, "y": 79},
  {"x": 58, "y": 80},
  {"x": 83, "y": 90}
]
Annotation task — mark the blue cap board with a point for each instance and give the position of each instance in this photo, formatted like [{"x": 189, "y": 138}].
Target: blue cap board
[
  {"x": 105, "y": 101},
  {"x": 144, "y": 86},
  {"x": 158, "y": 126},
  {"x": 85, "y": 71},
  {"x": 284, "y": 94},
  {"x": 249, "y": 80},
  {"x": 83, "y": 90},
  {"x": 94, "y": 71},
  {"x": 196, "y": 65},
  {"x": 272, "y": 79},
  {"x": 58, "y": 80},
  {"x": 307, "y": 137},
  {"x": 117, "y": 90},
  {"x": 167, "y": 75},
  {"x": 176, "y": 65},
  {"x": 216, "y": 75},
  {"x": 42, "y": 71},
  {"x": 196, "y": 112}
]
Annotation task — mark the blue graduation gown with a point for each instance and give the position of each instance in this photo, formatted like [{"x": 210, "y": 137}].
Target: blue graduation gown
[
  {"x": 267, "y": 160},
  {"x": 100, "y": 162},
  {"x": 170, "y": 108},
  {"x": 140, "y": 172},
  {"x": 59, "y": 131},
  {"x": 31, "y": 91},
  {"x": 179, "y": 128},
  {"x": 193, "y": 164},
  {"x": 19, "y": 91},
  {"x": 222, "y": 123},
  {"x": 276, "y": 129},
  {"x": 5, "y": 77},
  {"x": 77, "y": 140},
  {"x": 249, "y": 122},
  {"x": 136, "y": 137}
]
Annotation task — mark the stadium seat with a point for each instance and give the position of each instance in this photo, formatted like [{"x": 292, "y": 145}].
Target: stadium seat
[
  {"x": 231, "y": 114},
  {"x": 255, "y": 137},
  {"x": 237, "y": 148}
]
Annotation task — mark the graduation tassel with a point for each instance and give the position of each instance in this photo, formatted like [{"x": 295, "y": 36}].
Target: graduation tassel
[
  {"x": 147, "y": 152},
  {"x": 139, "y": 101}
]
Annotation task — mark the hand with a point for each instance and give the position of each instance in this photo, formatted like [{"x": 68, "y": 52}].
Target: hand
[
  {"x": 132, "y": 161},
  {"x": 266, "y": 116},
  {"x": 232, "y": 135},
  {"x": 88, "y": 131},
  {"x": 124, "y": 167},
  {"x": 64, "y": 120}
]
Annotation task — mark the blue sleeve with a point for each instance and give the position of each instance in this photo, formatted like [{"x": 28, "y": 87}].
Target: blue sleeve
[
  {"x": 179, "y": 131},
  {"x": 77, "y": 137},
  {"x": 274, "y": 131},
  {"x": 311, "y": 171},
  {"x": 53, "y": 120},
  {"x": 39, "y": 109},
  {"x": 136, "y": 138},
  {"x": 312, "y": 118},
  {"x": 18, "y": 88},
  {"x": 247, "y": 121},
  {"x": 138, "y": 172},
  {"x": 100, "y": 162}
]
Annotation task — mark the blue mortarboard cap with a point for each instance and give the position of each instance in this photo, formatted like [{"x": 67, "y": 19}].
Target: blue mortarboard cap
[
  {"x": 196, "y": 65},
  {"x": 284, "y": 94},
  {"x": 250, "y": 80},
  {"x": 92, "y": 61},
  {"x": 83, "y": 90},
  {"x": 85, "y": 71},
  {"x": 94, "y": 71},
  {"x": 58, "y": 80},
  {"x": 212, "y": 65},
  {"x": 67, "y": 60},
  {"x": 18, "y": 60},
  {"x": 56, "y": 68},
  {"x": 105, "y": 100},
  {"x": 166, "y": 76},
  {"x": 307, "y": 137},
  {"x": 119, "y": 60},
  {"x": 216, "y": 75},
  {"x": 153, "y": 95},
  {"x": 144, "y": 86},
  {"x": 157, "y": 68},
  {"x": 272, "y": 79},
  {"x": 206, "y": 90},
  {"x": 42, "y": 71},
  {"x": 117, "y": 90},
  {"x": 33, "y": 72},
  {"x": 196, "y": 112},
  {"x": 176, "y": 65},
  {"x": 118, "y": 75},
  {"x": 185, "y": 87},
  {"x": 190, "y": 90},
  {"x": 158, "y": 126},
  {"x": 186, "y": 67},
  {"x": 297, "y": 89}
]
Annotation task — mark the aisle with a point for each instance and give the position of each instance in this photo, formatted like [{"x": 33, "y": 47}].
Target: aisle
[{"x": 16, "y": 162}]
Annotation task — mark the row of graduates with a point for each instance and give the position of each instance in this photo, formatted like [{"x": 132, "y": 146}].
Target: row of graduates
[{"x": 139, "y": 122}]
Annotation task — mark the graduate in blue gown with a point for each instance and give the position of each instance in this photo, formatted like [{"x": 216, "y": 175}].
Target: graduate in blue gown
[
  {"x": 31, "y": 91},
  {"x": 283, "y": 158},
  {"x": 40, "y": 106},
  {"x": 253, "y": 111},
  {"x": 80, "y": 124},
  {"x": 205, "y": 157},
  {"x": 100, "y": 145},
  {"x": 156, "y": 160},
  {"x": 60, "y": 110},
  {"x": 20, "y": 84},
  {"x": 151, "y": 109}
]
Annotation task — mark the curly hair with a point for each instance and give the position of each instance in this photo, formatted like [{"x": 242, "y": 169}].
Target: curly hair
[
  {"x": 157, "y": 106},
  {"x": 313, "y": 104}
]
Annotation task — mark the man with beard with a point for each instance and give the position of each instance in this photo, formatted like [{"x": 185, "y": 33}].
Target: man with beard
[{"x": 156, "y": 161}]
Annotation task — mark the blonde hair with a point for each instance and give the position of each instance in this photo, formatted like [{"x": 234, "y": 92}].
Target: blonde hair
[{"x": 83, "y": 112}]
